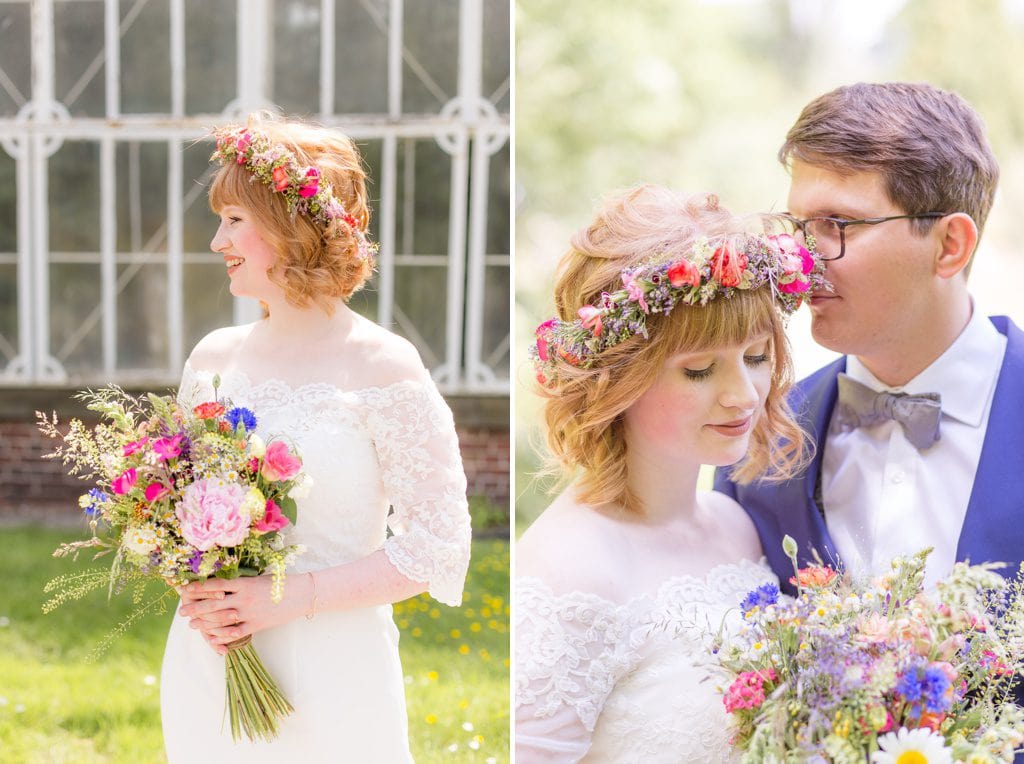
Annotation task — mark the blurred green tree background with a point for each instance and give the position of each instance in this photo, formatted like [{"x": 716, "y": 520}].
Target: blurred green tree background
[{"x": 698, "y": 95}]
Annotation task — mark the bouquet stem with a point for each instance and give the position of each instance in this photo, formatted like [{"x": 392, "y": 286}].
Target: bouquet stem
[{"x": 255, "y": 704}]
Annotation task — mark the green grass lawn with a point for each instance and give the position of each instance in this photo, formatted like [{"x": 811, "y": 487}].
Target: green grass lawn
[{"x": 55, "y": 707}]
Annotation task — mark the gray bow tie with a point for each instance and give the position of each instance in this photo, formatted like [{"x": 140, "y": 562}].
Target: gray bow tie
[{"x": 860, "y": 406}]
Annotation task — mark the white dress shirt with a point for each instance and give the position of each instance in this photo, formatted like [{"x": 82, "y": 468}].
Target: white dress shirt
[{"x": 885, "y": 498}]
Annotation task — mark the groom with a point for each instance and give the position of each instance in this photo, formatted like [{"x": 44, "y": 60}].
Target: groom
[{"x": 895, "y": 182}]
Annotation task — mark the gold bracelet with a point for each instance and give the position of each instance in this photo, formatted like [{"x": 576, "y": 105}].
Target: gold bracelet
[{"x": 312, "y": 613}]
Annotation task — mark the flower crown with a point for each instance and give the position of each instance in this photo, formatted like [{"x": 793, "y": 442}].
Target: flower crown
[
  {"x": 277, "y": 167},
  {"x": 709, "y": 271}
]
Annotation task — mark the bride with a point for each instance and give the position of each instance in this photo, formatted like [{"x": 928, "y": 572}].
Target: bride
[
  {"x": 669, "y": 353},
  {"x": 373, "y": 433}
]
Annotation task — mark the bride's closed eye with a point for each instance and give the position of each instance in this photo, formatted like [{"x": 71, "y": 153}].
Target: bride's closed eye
[{"x": 749, "y": 360}]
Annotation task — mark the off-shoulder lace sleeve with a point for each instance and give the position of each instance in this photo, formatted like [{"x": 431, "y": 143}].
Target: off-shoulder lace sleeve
[
  {"x": 414, "y": 436},
  {"x": 571, "y": 649}
]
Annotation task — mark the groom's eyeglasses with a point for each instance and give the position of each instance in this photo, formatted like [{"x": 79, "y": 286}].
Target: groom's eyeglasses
[{"x": 830, "y": 233}]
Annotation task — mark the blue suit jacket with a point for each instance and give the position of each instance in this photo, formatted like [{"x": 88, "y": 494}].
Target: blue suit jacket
[{"x": 993, "y": 528}]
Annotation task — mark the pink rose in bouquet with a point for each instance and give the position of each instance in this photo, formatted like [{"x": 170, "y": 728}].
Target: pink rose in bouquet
[{"x": 279, "y": 463}]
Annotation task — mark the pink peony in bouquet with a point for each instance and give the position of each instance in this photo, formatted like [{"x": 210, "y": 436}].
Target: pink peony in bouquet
[{"x": 180, "y": 496}]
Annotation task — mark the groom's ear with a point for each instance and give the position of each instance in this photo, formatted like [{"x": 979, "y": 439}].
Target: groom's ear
[{"x": 959, "y": 236}]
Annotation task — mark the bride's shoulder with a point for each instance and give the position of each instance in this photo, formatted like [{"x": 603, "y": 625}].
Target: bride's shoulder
[
  {"x": 377, "y": 357},
  {"x": 216, "y": 349},
  {"x": 733, "y": 522},
  {"x": 571, "y": 549}
]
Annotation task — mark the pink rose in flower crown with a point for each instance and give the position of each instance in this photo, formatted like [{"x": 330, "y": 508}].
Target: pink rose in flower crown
[
  {"x": 796, "y": 262},
  {"x": 124, "y": 482},
  {"x": 280, "y": 179},
  {"x": 683, "y": 272},
  {"x": 279, "y": 463},
  {"x": 312, "y": 184},
  {"x": 272, "y": 519},
  {"x": 543, "y": 334},
  {"x": 591, "y": 317},
  {"x": 727, "y": 265},
  {"x": 635, "y": 291},
  {"x": 244, "y": 139},
  {"x": 210, "y": 514}
]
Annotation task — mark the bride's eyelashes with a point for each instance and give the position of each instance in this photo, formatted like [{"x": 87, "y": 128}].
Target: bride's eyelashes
[{"x": 749, "y": 360}]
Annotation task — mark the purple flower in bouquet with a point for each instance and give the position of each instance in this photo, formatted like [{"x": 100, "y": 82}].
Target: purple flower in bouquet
[{"x": 210, "y": 513}]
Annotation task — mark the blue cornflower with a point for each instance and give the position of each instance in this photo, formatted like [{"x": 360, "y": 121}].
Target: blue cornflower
[
  {"x": 243, "y": 415},
  {"x": 99, "y": 498},
  {"x": 762, "y": 596},
  {"x": 935, "y": 687},
  {"x": 910, "y": 686}
]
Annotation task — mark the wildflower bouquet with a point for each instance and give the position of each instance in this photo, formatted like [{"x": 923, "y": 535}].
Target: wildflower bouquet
[
  {"x": 881, "y": 672},
  {"x": 180, "y": 496}
]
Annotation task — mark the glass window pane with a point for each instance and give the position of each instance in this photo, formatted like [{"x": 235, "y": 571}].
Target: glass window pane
[
  {"x": 364, "y": 302},
  {"x": 75, "y": 331},
  {"x": 141, "y": 197},
  {"x": 145, "y": 57},
  {"x": 296, "y": 56},
  {"x": 372, "y": 151},
  {"x": 199, "y": 223},
  {"x": 498, "y": 203},
  {"x": 79, "y": 65},
  {"x": 210, "y": 53},
  {"x": 142, "y": 317},
  {"x": 495, "y": 350},
  {"x": 496, "y": 45},
  {"x": 8, "y": 313},
  {"x": 8, "y": 204},
  {"x": 208, "y": 303},
  {"x": 420, "y": 309},
  {"x": 15, "y": 57},
  {"x": 361, "y": 57},
  {"x": 423, "y": 198},
  {"x": 74, "y": 195},
  {"x": 431, "y": 57}
]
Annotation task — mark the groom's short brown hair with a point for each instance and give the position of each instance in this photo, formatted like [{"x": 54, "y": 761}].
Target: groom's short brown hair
[{"x": 928, "y": 144}]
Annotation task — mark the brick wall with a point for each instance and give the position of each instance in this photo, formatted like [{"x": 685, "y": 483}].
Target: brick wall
[{"x": 34, "y": 488}]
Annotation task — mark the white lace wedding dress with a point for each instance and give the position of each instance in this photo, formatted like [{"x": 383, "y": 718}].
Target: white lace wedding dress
[
  {"x": 365, "y": 450},
  {"x": 613, "y": 682}
]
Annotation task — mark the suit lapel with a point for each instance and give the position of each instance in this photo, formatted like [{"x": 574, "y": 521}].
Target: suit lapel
[
  {"x": 996, "y": 499},
  {"x": 813, "y": 404}
]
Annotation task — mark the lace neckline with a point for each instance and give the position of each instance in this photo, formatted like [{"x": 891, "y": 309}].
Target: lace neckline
[
  {"x": 245, "y": 382},
  {"x": 707, "y": 581}
]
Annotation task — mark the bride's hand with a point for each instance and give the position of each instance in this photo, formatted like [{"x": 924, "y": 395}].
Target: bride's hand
[{"x": 227, "y": 610}]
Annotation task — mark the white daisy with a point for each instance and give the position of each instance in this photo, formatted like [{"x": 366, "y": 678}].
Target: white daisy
[{"x": 920, "y": 746}]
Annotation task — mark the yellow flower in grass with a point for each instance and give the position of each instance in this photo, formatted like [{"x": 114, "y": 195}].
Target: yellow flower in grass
[
  {"x": 432, "y": 676},
  {"x": 431, "y": 719},
  {"x": 463, "y": 649},
  {"x": 455, "y": 633}
]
